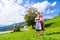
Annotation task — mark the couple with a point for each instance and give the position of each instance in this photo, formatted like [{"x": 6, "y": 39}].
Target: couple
[{"x": 39, "y": 23}]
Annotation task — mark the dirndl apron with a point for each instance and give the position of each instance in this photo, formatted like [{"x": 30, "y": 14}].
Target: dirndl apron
[{"x": 38, "y": 26}]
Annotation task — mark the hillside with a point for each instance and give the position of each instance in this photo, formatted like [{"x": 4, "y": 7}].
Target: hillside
[
  {"x": 55, "y": 22},
  {"x": 52, "y": 32}
]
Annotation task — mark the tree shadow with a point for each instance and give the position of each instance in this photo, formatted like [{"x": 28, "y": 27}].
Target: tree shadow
[
  {"x": 17, "y": 31},
  {"x": 54, "y": 33},
  {"x": 47, "y": 25}
]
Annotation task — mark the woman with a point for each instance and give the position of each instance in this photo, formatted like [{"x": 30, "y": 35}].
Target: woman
[{"x": 38, "y": 24}]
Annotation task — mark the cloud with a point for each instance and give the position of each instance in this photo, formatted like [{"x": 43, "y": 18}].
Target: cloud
[
  {"x": 27, "y": 5},
  {"x": 53, "y": 4},
  {"x": 19, "y": 1},
  {"x": 48, "y": 17},
  {"x": 11, "y": 12},
  {"x": 50, "y": 11},
  {"x": 43, "y": 6}
]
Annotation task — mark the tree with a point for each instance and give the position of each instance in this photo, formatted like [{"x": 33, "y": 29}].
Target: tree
[
  {"x": 30, "y": 17},
  {"x": 16, "y": 29}
]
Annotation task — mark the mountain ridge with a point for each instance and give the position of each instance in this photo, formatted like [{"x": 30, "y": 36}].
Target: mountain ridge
[{"x": 5, "y": 28}]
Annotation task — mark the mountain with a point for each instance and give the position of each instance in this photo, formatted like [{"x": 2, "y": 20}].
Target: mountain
[{"x": 5, "y": 28}]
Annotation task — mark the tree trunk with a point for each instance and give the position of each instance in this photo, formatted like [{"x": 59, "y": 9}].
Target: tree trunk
[{"x": 33, "y": 26}]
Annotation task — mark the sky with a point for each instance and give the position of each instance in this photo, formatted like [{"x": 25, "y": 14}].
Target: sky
[{"x": 13, "y": 11}]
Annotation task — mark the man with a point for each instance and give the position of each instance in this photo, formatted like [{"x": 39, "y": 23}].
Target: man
[{"x": 42, "y": 21}]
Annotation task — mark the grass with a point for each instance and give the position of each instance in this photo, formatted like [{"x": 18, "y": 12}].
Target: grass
[{"x": 52, "y": 32}]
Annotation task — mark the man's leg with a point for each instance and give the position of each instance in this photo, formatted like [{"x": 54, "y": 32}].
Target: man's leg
[{"x": 43, "y": 28}]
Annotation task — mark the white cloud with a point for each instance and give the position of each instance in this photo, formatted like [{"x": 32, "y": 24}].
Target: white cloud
[
  {"x": 48, "y": 17},
  {"x": 42, "y": 6},
  {"x": 27, "y": 5},
  {"x": 50, "y": 11},
  {"x": 11, "y": 12},
  {"x": 53, "y": 4},
  {"x": 19, "y": 1}
]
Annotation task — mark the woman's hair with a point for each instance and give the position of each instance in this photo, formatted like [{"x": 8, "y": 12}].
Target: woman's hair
[{"x": 39, "y": 12}]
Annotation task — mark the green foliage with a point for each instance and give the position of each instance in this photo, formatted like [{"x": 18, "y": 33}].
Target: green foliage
[
  {"x": 30, "y": 17},
  {"x": 16, "y": 29}
]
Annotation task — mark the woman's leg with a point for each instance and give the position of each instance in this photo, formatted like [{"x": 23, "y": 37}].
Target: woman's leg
[
  {"x": 37, "y": 27},
  {"x": 37, "y": 33}
]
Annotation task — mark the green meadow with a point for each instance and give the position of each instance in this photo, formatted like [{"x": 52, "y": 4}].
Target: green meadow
[{"x": 52, "y": 27}]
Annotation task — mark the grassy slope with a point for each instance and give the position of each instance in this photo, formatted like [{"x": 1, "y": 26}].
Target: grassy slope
[{"x": 52, "y": 32}]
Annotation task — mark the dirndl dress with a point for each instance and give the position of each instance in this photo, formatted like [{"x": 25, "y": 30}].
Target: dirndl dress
[{"x": 38, "y": 26}]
